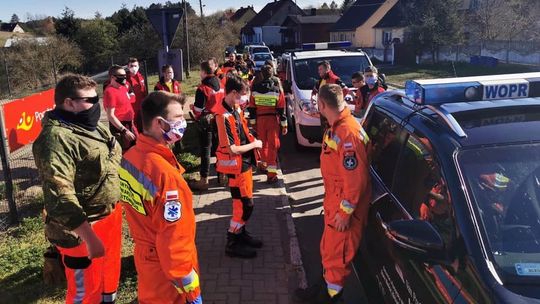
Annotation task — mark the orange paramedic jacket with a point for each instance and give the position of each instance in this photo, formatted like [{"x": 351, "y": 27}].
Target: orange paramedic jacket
[
  {"x": 159, "y": 210},
  {"x": 345, "y": 167}
]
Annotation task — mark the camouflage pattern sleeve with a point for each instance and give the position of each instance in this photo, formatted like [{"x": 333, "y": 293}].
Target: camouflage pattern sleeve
[{"x": 55, "y": 159}]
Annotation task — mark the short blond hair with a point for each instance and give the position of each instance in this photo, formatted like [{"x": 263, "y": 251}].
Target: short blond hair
[{"x": 332, "y": 95}]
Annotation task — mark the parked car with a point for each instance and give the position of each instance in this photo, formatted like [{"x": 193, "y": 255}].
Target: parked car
[
  {"x": 299, "y": 74},
  {"x": 455, "y": 214},
  {"x": 261, "y": 58},
  {"x": 256, "y": 48}
]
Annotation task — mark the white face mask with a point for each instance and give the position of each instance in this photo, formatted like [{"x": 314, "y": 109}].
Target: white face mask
[
  {"x": 133, "y": 70},
  {"x": 243, "y": 100},
  {"x": 176, "y": 131}
]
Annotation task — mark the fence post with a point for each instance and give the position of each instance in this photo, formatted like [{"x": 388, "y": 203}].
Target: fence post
[
  {"x": 8, "y": 181},
  {"x": 7, "y": 76},
  {"x": 145, "y": 75}
]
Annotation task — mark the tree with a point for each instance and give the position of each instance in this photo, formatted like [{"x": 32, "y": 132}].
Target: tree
[
  {"x": 98, "y": 42},
  {"x": 125, "y": 20},
  {"x": 333, "y": 6},
  {"x": 346, "y": 4},
  {"x": 432, "y": 24},
  {"x": 14, "y": 18},
  {"x": 67, "y": 25}
]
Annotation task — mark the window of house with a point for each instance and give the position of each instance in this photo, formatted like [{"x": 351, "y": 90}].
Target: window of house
[{"x": 387, "y": 37}]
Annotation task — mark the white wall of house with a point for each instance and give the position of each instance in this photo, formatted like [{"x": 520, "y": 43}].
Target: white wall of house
[
  {"x": 257, "y": 37},
  {"x": 18, "y": 29},
  {"x": 271, "y": 35}
]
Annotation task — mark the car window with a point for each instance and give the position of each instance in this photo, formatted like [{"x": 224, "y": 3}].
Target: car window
[
  {"x": 306, "y": 70},
  {"x": 260, "y": 50},
  {"x": 420, "y": 187},
  {"x": 261, "y": 57},
  {"x": 387, "y": 140}
]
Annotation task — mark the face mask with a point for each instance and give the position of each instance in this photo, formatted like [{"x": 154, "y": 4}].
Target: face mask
[
  {"x": 371, "y": 80},
  {"x": 87, "y": 119},
  {"x": 176, "y": 131},
  {"x": 243, "y": 100},
  {"x": 133, "y": 70},
  {"x": 121, "y": 80}
]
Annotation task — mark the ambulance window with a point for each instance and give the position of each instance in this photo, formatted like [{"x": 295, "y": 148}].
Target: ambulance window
[
  {"x": 387, "y": 140},
  {"x": 421, "y": 188},
  {"x": 288, "y": 69}
]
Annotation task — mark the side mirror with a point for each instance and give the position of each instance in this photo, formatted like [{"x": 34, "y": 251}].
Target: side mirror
[{"x": 418, "y": 239}]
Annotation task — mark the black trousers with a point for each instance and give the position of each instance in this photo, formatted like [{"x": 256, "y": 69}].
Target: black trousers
[{"x": 207, "y": 143}]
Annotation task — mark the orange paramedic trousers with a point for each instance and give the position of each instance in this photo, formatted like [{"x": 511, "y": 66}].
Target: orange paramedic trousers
[
  {"x": 95, "y": 281},
  {"x": 241, "y": 187},
  {"x": 338, "y": 248},
  {"x": 268, "y": 130}
]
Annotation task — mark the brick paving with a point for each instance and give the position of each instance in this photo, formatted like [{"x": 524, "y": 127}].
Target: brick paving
[{"x": 268, "y": 278}]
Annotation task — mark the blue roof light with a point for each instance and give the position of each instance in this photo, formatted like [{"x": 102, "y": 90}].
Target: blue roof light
[
  {"x": 325, "y": 45},
  {"x": 467, "y": 89}
]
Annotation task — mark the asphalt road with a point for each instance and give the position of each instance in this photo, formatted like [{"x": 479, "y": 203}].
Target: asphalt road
[{"x": 305, "y": 188}]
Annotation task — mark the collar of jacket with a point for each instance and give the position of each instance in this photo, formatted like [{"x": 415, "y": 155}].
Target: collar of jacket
[
  {"x": 330, "y": 75},
  {"x": 148, "y": 144},
  {"x": 346, "y": 113}
]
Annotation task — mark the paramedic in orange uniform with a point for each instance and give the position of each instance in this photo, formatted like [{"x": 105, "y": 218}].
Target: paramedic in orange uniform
[
  {"x": 347, "y": 185},
  {"x": 235, "y": 156},
  {"x": 159, "y": 208},
  {"x": 267, "y": 113}
]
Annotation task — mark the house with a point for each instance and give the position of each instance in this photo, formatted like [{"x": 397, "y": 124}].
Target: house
[
  {"x": 243, "y": 15},
  {"x": 356, "y": 24},
  {"x": 11, "y": 28},
  {"x": 298, "y": 29},
  {"x": 266, "y": 25}
]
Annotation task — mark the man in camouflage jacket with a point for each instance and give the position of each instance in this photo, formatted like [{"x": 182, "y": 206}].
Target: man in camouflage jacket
[{"x": 78, "y": 161}]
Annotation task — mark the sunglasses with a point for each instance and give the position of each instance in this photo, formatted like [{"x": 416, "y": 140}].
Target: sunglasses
[{"x": 92, "y": 100}]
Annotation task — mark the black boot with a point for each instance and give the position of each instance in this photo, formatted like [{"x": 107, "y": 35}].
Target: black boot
[
  {"x": 248, "y": 240},
  {"x": 236, "y": 248},
  {"x": 317, "y": 294}
]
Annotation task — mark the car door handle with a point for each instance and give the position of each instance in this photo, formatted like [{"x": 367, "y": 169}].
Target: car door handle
[{"x": 381, "y": 221}]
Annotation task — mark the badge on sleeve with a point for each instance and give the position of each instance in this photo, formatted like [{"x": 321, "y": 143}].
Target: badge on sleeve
[
  {"x": 173, "y": 208},
  {"x": 349, "y": 161}
]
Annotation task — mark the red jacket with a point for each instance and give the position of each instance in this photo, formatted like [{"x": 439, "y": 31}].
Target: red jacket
[
  {"x": 162, "y": 86},
  {"x": 138, "y": 87}
]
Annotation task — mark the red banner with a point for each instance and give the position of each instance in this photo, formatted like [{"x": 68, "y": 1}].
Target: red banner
[{"x": 22, "y": 118}]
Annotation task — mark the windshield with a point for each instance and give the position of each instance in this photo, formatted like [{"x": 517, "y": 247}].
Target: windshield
[
  {"x": 261, "y": 57},
  {"x": 260, "y": 50},
  {"x": 504, "y": 183},
  {"x": 306, "y": 71}
]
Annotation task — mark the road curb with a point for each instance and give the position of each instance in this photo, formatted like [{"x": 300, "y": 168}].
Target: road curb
[{"x": 294, "y": 246}]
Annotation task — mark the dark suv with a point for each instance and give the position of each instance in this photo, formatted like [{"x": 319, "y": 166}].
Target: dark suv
[{"x": 455, "y": 215}]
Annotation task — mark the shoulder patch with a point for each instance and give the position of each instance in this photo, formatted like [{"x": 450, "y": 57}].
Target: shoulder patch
[
  {"x": 172, "y": 211},
  {"x": 348, "y": 145},
  {"x": 349, "y": 161},
  {"x": 171, "y": 195}
]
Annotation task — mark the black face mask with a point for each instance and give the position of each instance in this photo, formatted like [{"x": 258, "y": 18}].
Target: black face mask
[
  {"x": 87, "y": 119},
  {"x": 121, "y": 80}
]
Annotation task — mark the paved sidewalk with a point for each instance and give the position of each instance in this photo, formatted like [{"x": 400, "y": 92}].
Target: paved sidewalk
[{"x": 268, "y": 278}]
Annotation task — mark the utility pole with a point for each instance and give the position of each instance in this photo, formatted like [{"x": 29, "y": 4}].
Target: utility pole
[
  {"x": 200, "y": 4},
  {"x": 186, "y": 35}
]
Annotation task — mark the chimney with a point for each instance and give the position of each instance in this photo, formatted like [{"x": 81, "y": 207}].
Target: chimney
[{"x": 313, "y": 11}]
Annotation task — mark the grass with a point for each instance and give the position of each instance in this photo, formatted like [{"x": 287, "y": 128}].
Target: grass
[
  {"x": 399, "y": 74},
  {"x": 6, "y": 35}
]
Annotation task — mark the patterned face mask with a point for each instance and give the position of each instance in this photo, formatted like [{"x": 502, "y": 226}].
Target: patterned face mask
[{"x": 176, "y": 130}]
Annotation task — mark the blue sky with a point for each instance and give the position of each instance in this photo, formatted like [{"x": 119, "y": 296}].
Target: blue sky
[{"x": 87, "y": 8}]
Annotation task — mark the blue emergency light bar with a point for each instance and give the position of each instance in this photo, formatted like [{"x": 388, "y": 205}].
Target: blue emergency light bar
[
  {"x": 477, "y": 88},
  {"x": 326, "y": 45}
]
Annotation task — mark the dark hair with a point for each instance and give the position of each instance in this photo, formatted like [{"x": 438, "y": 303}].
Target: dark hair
[
  {"x": 325, "y": 63},
  {"x": 235, "y": 83},
  {"x": 213, "y": 59},
  {"x": 165, "y": 68},
  {"x": 205, "y": 67},
  {"x": 267, "y": 71},
  {"x": 156, "y": 103},
  {"x": 114, "y": 68},
  {"x": 358, "y": 76},
  {"x": 372, "y": 69},
  {"x": 69, "y": 85},
  {"x": 132, "y": 59}
]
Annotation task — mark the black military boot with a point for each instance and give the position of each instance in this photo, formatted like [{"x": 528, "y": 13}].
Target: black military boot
[
  {"x": 248, "y": 240},
  {"x": 317, "y": 294},
  {"x": 236, "y": 248}
]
